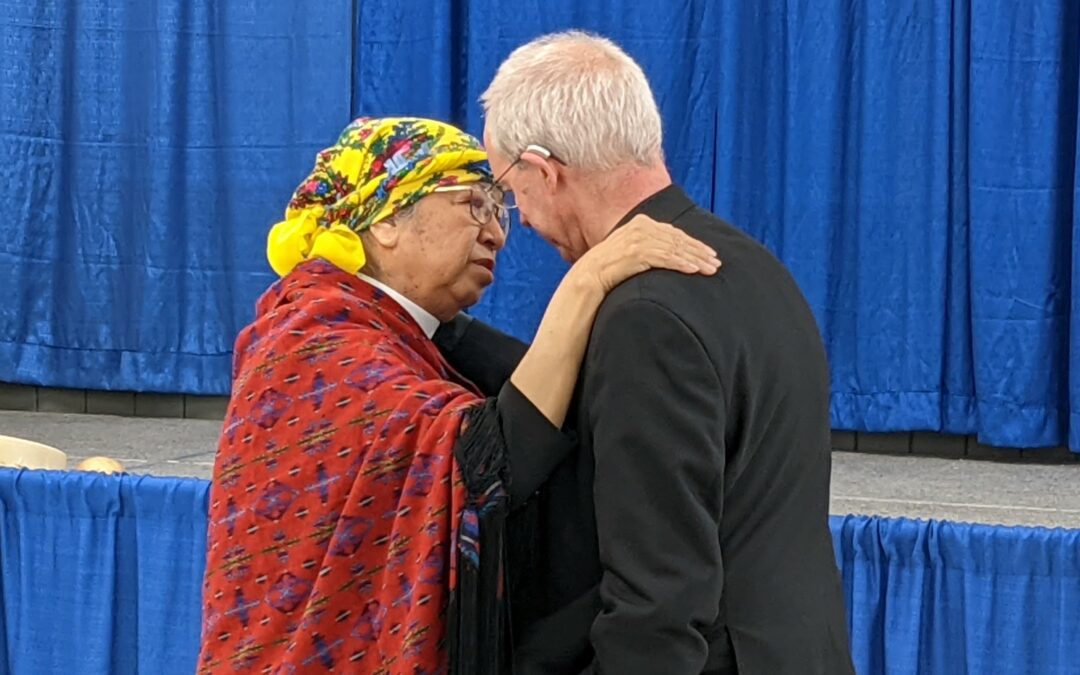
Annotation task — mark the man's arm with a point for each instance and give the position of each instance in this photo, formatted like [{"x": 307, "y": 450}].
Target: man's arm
[
  {"x": 657, "y": 415},
  {"x": 481, "y": 353}
]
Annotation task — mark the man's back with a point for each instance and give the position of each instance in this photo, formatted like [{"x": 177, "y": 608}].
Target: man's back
[{"x": 690, "y": 532}]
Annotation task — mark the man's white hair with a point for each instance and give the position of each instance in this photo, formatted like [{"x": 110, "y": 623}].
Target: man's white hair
[{"x": 578, "y": 95}]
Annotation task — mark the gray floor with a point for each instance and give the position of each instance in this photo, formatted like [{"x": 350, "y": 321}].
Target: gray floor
[
  {"x": 165, "y": 447},
  {"x": 916, "y": 487},
  {"x": 957, "y": 489}
]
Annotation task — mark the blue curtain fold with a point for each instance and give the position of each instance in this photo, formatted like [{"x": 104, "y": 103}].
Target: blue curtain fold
[
  {"x": 103, "y": 574},
  {"x": 912, "y": 163},
  {"x": 100, "y": 574},
  {"x": 839, "y": 161},
  {"x": 145, "y": 149},
  {"x": 940, "y": 597},
  {"x": 1074, "y": 296},
  {"x": 1022, "y": 159}
]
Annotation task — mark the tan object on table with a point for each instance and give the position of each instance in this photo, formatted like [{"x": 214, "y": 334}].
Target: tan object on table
[
  {"x": 20, "y": 453},
  {"x": 101, "y": 465}
]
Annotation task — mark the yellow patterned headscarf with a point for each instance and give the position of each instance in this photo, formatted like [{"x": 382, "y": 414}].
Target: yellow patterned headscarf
[{"x": 377, "y": 168}]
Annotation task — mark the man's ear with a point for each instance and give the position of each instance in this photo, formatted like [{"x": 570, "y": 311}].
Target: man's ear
[{"x": 549, "y": 169}]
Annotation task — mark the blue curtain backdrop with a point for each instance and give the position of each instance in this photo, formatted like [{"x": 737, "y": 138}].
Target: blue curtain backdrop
[
  {"x": 103, "y": 575},
  {"x": 913, "y": 163},
  {"x": 145, "y": 147}
]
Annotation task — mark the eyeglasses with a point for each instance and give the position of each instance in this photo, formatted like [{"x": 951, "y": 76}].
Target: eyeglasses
[
  {"x": 485, "y": 202},
  {"x": 508, "y": 195},
  {"x": 492, "y": 201}
]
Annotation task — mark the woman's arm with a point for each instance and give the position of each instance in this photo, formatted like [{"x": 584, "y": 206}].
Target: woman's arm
[
  {"x": 546, "y": 372},
  {"x": 523, "y": 421}
]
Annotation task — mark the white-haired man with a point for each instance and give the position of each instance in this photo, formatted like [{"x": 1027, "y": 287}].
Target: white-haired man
[{"x": 690, "y": 534}]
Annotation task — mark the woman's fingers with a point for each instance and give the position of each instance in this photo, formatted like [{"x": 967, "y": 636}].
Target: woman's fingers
[
  {"x": 670, "y": 247},
  {"x": 642, "y": 244},
  {"x": 679, "y": 251}
]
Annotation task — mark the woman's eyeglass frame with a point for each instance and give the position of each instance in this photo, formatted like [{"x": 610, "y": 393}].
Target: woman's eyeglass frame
[{"x": 499, "y": 201}]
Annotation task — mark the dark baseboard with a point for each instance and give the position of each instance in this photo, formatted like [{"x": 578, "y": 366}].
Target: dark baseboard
[
  {"x": 126, "y": 403},
  {"x": 931, "y": 444}
]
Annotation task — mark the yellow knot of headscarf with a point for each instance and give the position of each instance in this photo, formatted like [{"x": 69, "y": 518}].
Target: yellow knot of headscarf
[{"x": 377, "y": 168}]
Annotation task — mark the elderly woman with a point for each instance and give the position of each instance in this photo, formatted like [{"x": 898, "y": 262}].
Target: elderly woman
[{"x": 361, "y": 485}]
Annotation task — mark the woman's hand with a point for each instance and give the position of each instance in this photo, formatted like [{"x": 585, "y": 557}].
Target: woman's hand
[
  {"x": 640, "y": 245},
  {"x": 548, "y": 372}
]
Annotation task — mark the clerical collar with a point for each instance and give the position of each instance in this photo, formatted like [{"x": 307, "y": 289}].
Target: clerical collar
[{"x": 427, "y": 321}]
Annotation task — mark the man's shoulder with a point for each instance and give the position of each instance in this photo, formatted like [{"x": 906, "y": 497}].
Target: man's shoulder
[
  {"x": 666, "y": 291},
  {"x": 651, "y": 291},
  {"x": 652, "y": 308},
  {"x": 732, "y": 242}
]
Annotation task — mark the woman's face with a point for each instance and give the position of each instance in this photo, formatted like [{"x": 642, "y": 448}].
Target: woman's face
[{"x": 444, "y": 257}]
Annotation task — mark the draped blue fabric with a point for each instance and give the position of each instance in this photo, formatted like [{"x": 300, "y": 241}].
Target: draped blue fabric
[
  {"x": 914, "y": 164},
  {"x": 145, "y": 149},
  {"x": 100, "y": 574},
  {"x": 940, "y": 597},
  {"x": 103, "y": 575}
]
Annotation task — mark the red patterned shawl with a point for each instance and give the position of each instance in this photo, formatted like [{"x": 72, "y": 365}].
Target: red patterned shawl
[{"x": 336, "y": 497}]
